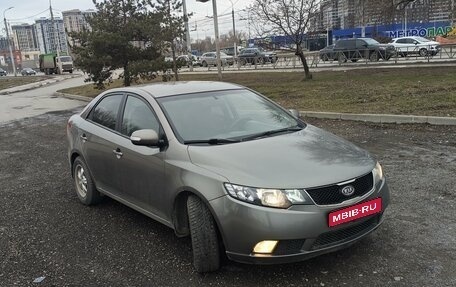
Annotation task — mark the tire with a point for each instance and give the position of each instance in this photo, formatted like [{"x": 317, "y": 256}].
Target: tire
[
  {"x": 423, "y": 52},
  {"x": 354, "y": 60},
  {"x": 206, "y": 249},
  {"x": 373, "y": 57},
  {"x": 341, "y": 58},
  {"x": 204, "y": 64},
  {"x": 84, "y": 185}
]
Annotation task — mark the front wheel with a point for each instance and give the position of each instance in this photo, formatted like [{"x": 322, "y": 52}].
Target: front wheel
[
  {"x": 423, "y": 52},
  {"x": 85, "y": 187},
  {"x": 206, "y": 253}
]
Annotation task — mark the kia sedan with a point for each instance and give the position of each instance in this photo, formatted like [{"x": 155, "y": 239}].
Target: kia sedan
[{"x": 228, "y": 167}]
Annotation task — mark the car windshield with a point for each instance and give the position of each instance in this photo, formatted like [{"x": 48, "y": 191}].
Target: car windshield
[
  {"x": 65, "y": 59},
  {"x": 371, "y": 41},
  {"x": 421, "y": 39},
  {"x": 225, "y": 115}
]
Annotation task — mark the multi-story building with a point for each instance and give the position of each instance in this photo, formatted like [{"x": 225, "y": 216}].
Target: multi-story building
[
  {"x": 24, "y": 36},
  {"x": 348, "y": 14},
  {"x": 75, "y": 21},
  {"x": 50, "y": 35}
]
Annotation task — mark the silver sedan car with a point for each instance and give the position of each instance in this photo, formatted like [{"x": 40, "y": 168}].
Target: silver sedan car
[{"x": 228, "y": 167}]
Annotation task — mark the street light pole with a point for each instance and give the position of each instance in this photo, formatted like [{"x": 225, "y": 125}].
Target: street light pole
[
  {"x": 59, "y": 63},
  {"x": 9, "y": 42},
  {"x": 189, "y": 43},
  {"x": 234, "y": 29},
  {"x": 217, "y": 38}
]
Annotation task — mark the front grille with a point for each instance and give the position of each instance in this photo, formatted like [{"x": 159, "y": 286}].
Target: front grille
[
  {"x": 333, "y": 237},
  {"x": 285, "y": 247},
  {"x": 332, "y": 194}
]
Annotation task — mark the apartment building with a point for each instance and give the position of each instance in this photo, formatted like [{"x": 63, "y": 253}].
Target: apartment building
[{"x": 50, "y": 35}]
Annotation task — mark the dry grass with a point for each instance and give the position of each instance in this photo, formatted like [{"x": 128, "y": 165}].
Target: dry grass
[
  {"x": 10, "y": 82},
  {"x": 418, "y": 91}
]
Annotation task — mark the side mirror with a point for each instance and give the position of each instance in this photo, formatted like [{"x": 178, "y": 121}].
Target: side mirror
[
  {"x": 145, "y": 138},
  {"x": 415, "y": 42},
  {"x": 294, "y": 113}
]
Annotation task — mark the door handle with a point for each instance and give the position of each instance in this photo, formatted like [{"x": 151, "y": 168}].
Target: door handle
[
  {"x": 84, "y": 138},
  {"x": 118, "y": 153}
]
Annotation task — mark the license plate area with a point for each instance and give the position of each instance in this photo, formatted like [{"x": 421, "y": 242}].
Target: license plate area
[{"x": 354, "y": 212}]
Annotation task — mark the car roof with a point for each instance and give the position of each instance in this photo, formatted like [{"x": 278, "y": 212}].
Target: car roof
[{"x": 158, "y": 90}]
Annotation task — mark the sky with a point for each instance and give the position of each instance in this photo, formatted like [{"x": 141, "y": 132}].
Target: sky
[{"x": 26, "y": 11}]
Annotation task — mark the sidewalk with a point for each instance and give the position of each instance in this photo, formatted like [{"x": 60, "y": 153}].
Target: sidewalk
[{"x": 32, "y": 86}]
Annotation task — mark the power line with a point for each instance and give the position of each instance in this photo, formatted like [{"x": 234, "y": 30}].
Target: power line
[{"x": 33, "y": 16}]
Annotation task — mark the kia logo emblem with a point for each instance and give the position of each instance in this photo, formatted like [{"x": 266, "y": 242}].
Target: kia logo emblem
[{"x": 348, "y": 190}]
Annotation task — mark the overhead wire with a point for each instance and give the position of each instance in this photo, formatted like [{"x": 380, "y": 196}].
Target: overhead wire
[{"x": 25, "y": 18}]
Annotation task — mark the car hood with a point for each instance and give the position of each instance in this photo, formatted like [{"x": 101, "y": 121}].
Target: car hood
[{"x": 308, "y": 158}]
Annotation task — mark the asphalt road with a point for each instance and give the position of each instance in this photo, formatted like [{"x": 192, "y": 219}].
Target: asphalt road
[
  {"x": 35, "y": 102},
  {"x": 45, "y": 231}
]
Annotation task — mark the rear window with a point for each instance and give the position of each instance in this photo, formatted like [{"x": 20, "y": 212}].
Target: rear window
[{"x": 106, "y": 111}]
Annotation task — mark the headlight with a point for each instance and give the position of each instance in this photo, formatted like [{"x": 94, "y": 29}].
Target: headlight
[
  {"x": 279, "y": 198},
  {"x": 378, "y": 173}
]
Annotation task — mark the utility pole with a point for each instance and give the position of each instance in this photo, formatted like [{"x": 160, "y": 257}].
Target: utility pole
[
  {"x": 59, "y": 63},
  {"x": 9, "y": 42},
  {"x": 234, "y": 30},
  {"x": 189, "y": 43},
  {"x": 217, "y": 38}
]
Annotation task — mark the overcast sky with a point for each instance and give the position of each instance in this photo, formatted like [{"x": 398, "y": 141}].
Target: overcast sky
[{"x": 26, "y": 11}]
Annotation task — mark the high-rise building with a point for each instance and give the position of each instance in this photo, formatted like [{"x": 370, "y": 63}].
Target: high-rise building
[
  {"x": 76, "y": 20},
  {"x": 25, "y": 37},
  {"x": 347, "y": 14},
  {"x": 50, "y": 34}
]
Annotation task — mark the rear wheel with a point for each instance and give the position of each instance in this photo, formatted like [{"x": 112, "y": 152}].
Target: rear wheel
[
  {"x": 85, "y": 187},
  {"x": 204, "y": 64},
  {"x": 373, "y": 57},
  {"x": 206, "y": 253},
  {"x": 341, "y": 58}
]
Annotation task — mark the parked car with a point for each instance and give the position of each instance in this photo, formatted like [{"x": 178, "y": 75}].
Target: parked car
[
  {"x": 230, "y": 168},
  {"x": 256, "y": 55},
  {"x": 184, "y": 60},
  {"x": 210, "y": 59},
  {"x": 415, "y": 46},
  {"x": 3, "y": 72},
  {"x": 28, "y": 72},
  {"x": 362, "y": 48},
  {"x": 327, "y": 53}
]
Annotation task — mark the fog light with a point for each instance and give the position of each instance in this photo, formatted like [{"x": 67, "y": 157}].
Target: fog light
[{"x": 265, "y": 247}]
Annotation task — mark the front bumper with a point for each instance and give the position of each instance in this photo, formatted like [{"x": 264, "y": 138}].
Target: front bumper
[{"x": 302, "y": 230}]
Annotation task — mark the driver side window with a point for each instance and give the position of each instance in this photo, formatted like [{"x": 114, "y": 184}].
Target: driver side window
[{"x": 138, "y": 116}]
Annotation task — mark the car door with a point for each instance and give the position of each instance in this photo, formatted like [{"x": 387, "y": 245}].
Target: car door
[
  {"x": 401, "y": 45},
  {"x": 141, "y": 168},
  {"x": 98, "y": 135}
]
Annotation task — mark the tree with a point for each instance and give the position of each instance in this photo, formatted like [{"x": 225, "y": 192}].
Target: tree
[
  {"x": 172, "y": 25},
  {"x": 123, "y": 34},
  {"x": 289, "y": 17}
]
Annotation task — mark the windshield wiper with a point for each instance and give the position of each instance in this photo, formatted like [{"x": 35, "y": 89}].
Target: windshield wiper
[
  {"x": 212, "y": 141},
  {"x": 273, "y": 132}
]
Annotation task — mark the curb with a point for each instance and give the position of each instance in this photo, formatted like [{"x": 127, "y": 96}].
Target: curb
[
  {"x": 72, "y": 97},
  {"x": 382, "y": 118},
  {"x": 33, "y": 86}
]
